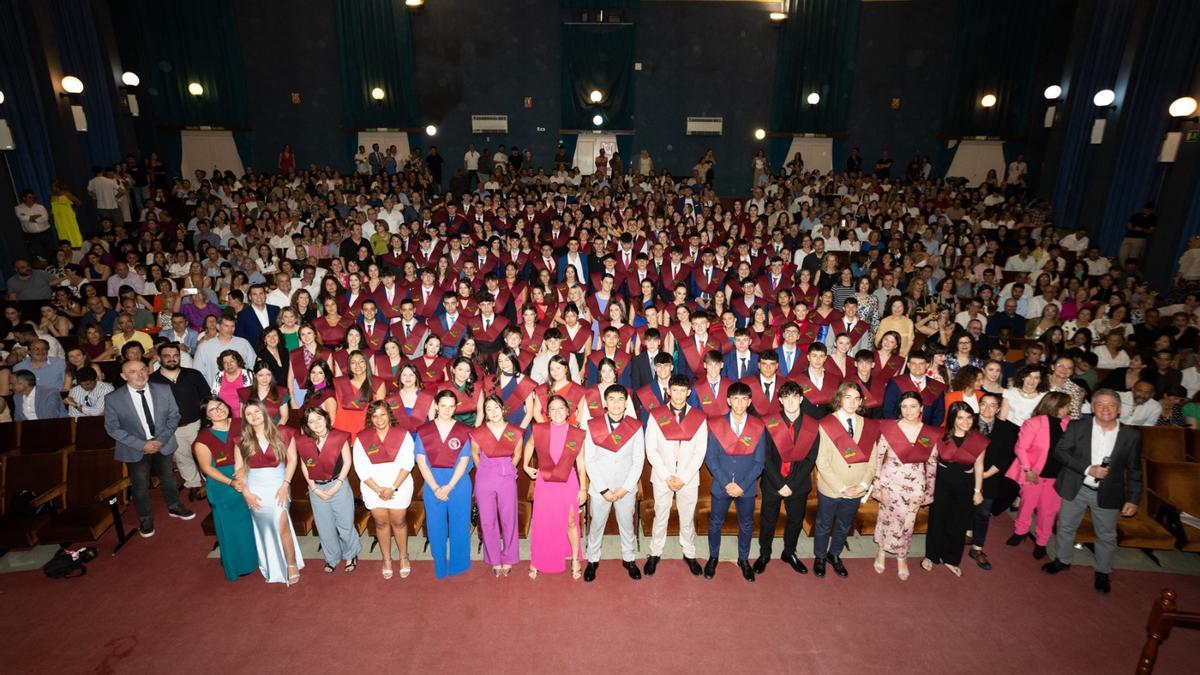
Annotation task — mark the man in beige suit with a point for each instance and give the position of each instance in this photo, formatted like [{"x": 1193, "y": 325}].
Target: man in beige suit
[
  {"x": 676, "y": 440},
  {"x": 845, "y": 468}
]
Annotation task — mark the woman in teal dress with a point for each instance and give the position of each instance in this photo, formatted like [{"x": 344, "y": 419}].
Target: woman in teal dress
[{"x": 214, "y": 448}]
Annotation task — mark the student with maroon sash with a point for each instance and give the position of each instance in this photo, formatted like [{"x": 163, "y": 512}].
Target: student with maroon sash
[
  {"x": 888, "y": 361},
  {"x": 656, "y": 392},
  {"x": 387, "y": 362},
  {"x": 300, "y": 361},
  {"x": 496, "y": 449},
  {"x": 931, "y": 391},
  {"x": 764, "y": 387},
  {"x": 410, "y": 332},
  {"x": 840, "y": 360},
  {"x": 264, "y": 390},
  {"x": 845, "y": 469},
  {"x": 614, "y": 454},
  {"x": 559, "y": 490},
  {"x": 443, "y": 451},
  {"x": 818, "y": 383},
  {"x": 959, "y": 487},
  {"x": 852, "y": 327},
  {"x": 267, "y": 457},
  {"x": 903, "y": 482},
  {"x": 514, "y": 390},
  {"x": 215, "y": 448},
  {"x": 384, "y": 455},
  {"x": 354, "y": 393},
  {"x": 735, "y": 456},
  {"x": 432, "y": 365},
  {"x": 558, "y": 384},
  {"x": 411, "y": 405},
  {"x": 787, "y": 476},
  {"x": 870, "y": 382},
  {"x": 448, "y": 326},
  {"x": 487, "y": 326},
  {"x": 594, "y": 396},
  {"x": 696, "y": 346},
  {"x": 611, "y": 349},
  {"x": 676, "y": 442},
  {"x": 711, "y": 391},
  {"x": 467, "y": 394},
  {"x": 354, "y": 341},
  {"x": 576, "y": 337},
  {"x": 324, "y": 456},
  {"x": 374, "y": 326}
]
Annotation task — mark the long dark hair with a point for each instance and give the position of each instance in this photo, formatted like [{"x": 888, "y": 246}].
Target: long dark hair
[
  {"x": 469, "y": 385},
  {"x": 952, "y": 414}
]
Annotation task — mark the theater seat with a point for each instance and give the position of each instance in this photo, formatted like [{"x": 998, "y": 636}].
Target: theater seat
[
  {"x": 1177, "y": 485},
  {"x": 647, "y": 512},
  {"x": 8, "y": 436},
  {"x": 45, "y": 435},
  {"x": 43, "y": 474},
  {"x": 301, "y": 509},
  {"x": 93, "y": 476},
  {"x": 362, "y": 515},
  {"x": 91, "y": 435},
  {"x": 1163, "y": 444}
]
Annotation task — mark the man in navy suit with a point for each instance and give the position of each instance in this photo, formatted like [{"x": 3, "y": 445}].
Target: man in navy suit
[
  {"x": 641, "y": 369},
  {"x": 933, "y": 393},
  {"x": 790, "y": 353},
  {"x": 735, "y": 458},
  {"x": 740, "y": 362},
  {"x": 32, "y": 402},
  {"x": 256, "y": 316}
]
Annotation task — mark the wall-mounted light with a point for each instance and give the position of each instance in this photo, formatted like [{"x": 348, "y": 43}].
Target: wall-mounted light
[
  {"x": 1104, "y": 98},
  {"x": 377, "y": 93},
  {"x": 598, "y": 119},
  {"x": 1180, "y": 107},
  {"x": 72, "y": 85},
  {"x": 814, "y": 98},
  {"x": 988, "y": 100},
  {"x": 1052, "y": 92},
  {"x": 414, "y": 3},
  {"x": 777, "y": 17},
  {"x": 1, "y": 98},
  {"x": 596, "y": 96},
  {"x": 431, "y": 130},
  {"x": 130, "y": 79},
  {"x": 195, "y": 89},
  {"x": 760, "y": 134}
]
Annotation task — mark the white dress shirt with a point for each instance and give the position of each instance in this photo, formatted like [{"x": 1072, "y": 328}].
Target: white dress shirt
[
  {"x": 1103, "y": 443},
  {"x": 137, "y": 407}
]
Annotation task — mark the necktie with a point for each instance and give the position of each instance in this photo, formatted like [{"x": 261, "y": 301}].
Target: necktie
[
  {"x": 742, "y": 371},
  {"x": 788, "y": 356},
  {"x": 407, "y": 331},
  {"x": 985, "y": 427},
  {"x": 767, "y": 390},
  {"x": 146, "y": 411},
  {"x": 850, "y": 426},
  {"x": 679, "y": 414},
  {"x": 486, "y": 324}
]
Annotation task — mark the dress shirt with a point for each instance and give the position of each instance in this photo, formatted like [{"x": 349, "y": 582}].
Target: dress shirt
[
  {"x": 137, "y": 407},
  {"x": 29, "y": 405},
  {"x": 91, "y": 402},
  {"x": 1144, "y": 414},
  {"x": 1103, "y": 443}
]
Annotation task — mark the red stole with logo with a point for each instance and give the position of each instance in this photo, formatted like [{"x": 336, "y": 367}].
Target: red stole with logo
[
  {"x": 712, "y": 404},
  {"x": 670, "y": 426},
  {"x": 443, "y": 453},
  {"x": 872, "y": 392},
  {"x": 382, "y": 450},
  {"x": 933, "y": 388},
  {"x": 431, "y": 372},
  {"x": 851, "y": 451},
  {"x": 521, "y": 391},
  {"x": 497, "y": 325},
  {"x": 420, "y": 410},
  {"x": 694, "y": 357},
  {"x": 349, "y": 397},
  {"x": 734, "y": 444},
  {"x": 502, "y": 446},
  {"x": 910, "y": 452},
  {"x": 856, "y": 333},
  {"x": 975, "y": 443},
  {"x": 322, "y": 461},
  {"x": 591, "y": 398},
  {"x": 548, "y": 469},
  {"x": 890, "y": 369},
  {"x": 620, "y": 358},
  {"x": 819, "y": 396},
  {"x": 222, "y": 451},
  {"x": 615, "y": 439},
  {"x": 793, "y": 446},
  {"x": 575, "y": 344}
]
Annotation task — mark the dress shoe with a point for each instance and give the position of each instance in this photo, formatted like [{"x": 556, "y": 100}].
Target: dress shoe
[
  {"x": 693, "y": 566},
  {"x": 980, "y": 558},
  {"x": 1016, "y": 539},
  {"x": 836, "y": 563},
  {"x": 589, "y": 572},
  {"x": 1039, "y": 552},
  {"x": 632, "y": 568},
  {"x": 760, "y": 565},
  {"x": 1055, "y": 566},
  {"x": 795, "y": 562},
  {"x": 710, "y": 568},
  {"x": 819, "y": 567},
  {"x": 747, "y": 570},
  {"x": 651, "y": 565},
  {"x": 1102, "y": 584}
]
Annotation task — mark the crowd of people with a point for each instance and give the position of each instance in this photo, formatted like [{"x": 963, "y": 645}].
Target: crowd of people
[{"x": 905, "y": 341}]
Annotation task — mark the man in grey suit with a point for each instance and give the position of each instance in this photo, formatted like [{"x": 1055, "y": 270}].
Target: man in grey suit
[
  {"x": 142, "y": 417},
  {"x": 33, "y": 402},
  {"x": 1101, "y": 471},
  {"x": 614, "y": 453}
]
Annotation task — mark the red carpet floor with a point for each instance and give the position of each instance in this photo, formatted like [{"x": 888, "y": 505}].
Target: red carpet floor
[{"x": 161, "y": 605}]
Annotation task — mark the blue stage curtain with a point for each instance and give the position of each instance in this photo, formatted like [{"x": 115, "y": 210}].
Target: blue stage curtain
[
  {"x": 597, "y": 56},
  {"x": 24, "y": 106},
  {"x": 1098, "y": 70},
  {"x": 1169, "y": 54},
  {"x": 817, "y": 48},
  {"x": 194, "y": 41},
  {"x": 82, "y": 56},
  {"x": 569, "y": 141}
]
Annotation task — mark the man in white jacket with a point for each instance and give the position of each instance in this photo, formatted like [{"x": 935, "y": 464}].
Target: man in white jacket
[{"x": 676, "y": 441}]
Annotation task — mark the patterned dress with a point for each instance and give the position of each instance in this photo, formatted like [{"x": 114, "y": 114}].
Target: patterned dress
[{"x": 905, "y": 488}]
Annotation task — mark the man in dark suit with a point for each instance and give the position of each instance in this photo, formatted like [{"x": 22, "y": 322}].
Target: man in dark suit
[
  {"x": 740, "y": 362},
  {"x": 256, "y": 316},
  {"x": 791, "y": 454},
  {"x": 1101, "y": 472},
  {"x": 641, "y": 369},
  {"x": 998, "y": 491}
]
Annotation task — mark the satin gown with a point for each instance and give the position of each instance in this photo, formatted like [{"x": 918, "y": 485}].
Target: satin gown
[
  {"x": 232, "y": 522},
  {"x": 263, "y": 483},
  {"x": 553, "y": 503}
]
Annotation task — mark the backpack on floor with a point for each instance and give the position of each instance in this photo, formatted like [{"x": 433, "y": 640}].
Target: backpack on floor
[{"x": 69, "y": 563}]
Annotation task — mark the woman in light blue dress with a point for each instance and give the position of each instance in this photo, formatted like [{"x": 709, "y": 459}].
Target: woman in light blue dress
[{"x": 267, "y": 457}]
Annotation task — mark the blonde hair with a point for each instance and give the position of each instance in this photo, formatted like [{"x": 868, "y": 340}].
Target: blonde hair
[{"x": 248, "y": 442}]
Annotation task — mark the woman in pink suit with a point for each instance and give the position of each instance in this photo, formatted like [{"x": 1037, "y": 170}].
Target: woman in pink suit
[
  {"x": 560, "y": 488},
  {"x": 1036, "y": 468},
  {"x": 497, "y": 449}
]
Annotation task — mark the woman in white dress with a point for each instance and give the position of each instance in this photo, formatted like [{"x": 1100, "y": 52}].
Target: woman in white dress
[
  {"x": 383, "y": 458},
  {"x": 1021, "y": 399},
  {"x": 267, "y": 457}
]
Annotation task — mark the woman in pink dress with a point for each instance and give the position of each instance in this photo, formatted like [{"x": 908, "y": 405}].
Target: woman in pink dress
[
  {"x": 904, "y": 481},
  {"x": 559, "y": 490}
]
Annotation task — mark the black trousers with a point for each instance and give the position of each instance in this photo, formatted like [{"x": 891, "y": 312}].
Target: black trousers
[
  {"x": 769, "y": 516},
  {"x": 950, "y": 514},
  {"x": 983, "y": 516}
]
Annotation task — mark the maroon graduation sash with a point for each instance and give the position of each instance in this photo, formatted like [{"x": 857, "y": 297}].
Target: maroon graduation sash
[
  {"x": 856, "y": 333},
  {"x": 463, "y": 402},
  {"x": 412, "y": 343},
  {"x": 712, "y": 404},
  {"x": 972, "y": 447},
  {"x": 621, "y": 358},
  {"x": 670, "y": 426},
  {"x": 451, "y": 335},
  {"x": 560, "y": 471},
  {"x": 873, "y": 392},
  {"x": 695, "y": 359},
  {"x": 573, "y": 393},
  {"x": 431, "y": 373},
  {"x": 493, "y": 446},
  {"x": 582, "y": 338},
  {"x": 910, "y": 452},
  {"x": 382, "y": 450},
  {"x": 591, "y": 398},
  {"x": 819, "y": 396},
  {"x": 892, "y": 368},
  {"x": 321, "y": 461},
  {"x": 615, "y": 439},
  {"x": 420, "y": 410},
  {"x": 490, "y": 335},
  {"x": 648, "y": 398},
  {"x": 792, "y": 446},
  {"x": 222, "y": 451},
  {"x": 443, "y": 453},
  {"x": 520, "y": 392},
  {"x": 850, "y": 450},
  {"x": 378, "y": 334},
  {"x": 933, "y": 388},
  {"x": 384, "y": 370},
  {"x": 296, "y": 359},
  {"x": 349, "y": 397},
  {"x": 532, "y": 344},
  {"x": 732, "y": 443}
]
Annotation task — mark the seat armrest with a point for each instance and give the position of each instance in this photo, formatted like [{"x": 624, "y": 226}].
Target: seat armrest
[
  {"x": 116, "y": 487},
  {"x": 59, "y": 490}
]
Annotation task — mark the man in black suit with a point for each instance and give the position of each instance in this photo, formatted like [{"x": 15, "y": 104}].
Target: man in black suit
[
  {"x": 641, "y": 370},
  {"x": 1000, "y": 453},
  {"x": 787, "y": 476},
  {"x": 1101, "y": 471}
]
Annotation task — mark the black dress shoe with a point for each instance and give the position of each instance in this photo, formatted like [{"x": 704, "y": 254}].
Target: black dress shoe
[
  {"x": 1055, "y": 566},
  {"x": 693, "y": 566},
  {"x": 747, "y": 570},
  {"x": 836, "y": 563},
  {"x": 589, "y": 572},
  {"x": 710, "y": 568},
  {"x": 819, "y": 567},
  {"x": 760, "y": 565},
  {"x": 1039, "y": 552},
  {"x": 632, "y": 568},
  {"x": 651, "y": 565},
  {"x": 795, "y": 562},
  {"x": 1102, "y": 584},
  {"x": 1016, "y": 539}
]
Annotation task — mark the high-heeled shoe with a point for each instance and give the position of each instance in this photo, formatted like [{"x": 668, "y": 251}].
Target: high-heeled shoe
[
  {"x": 405, "y": 568},
  {"x": 533, "y": 573},
  {"x": 496, "y": 571},
  {"x": 505, "y": 569},
  {"x": 926, "y": 564},
  {"x": 954, "y": 570},
  {"x": 902, "y": 569},
  {"x": 387, "y": 569},
  {"x": 576, "y": 573},
  {"x": 293, "y": 578},
  {"x": 879, "y": 565}
]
